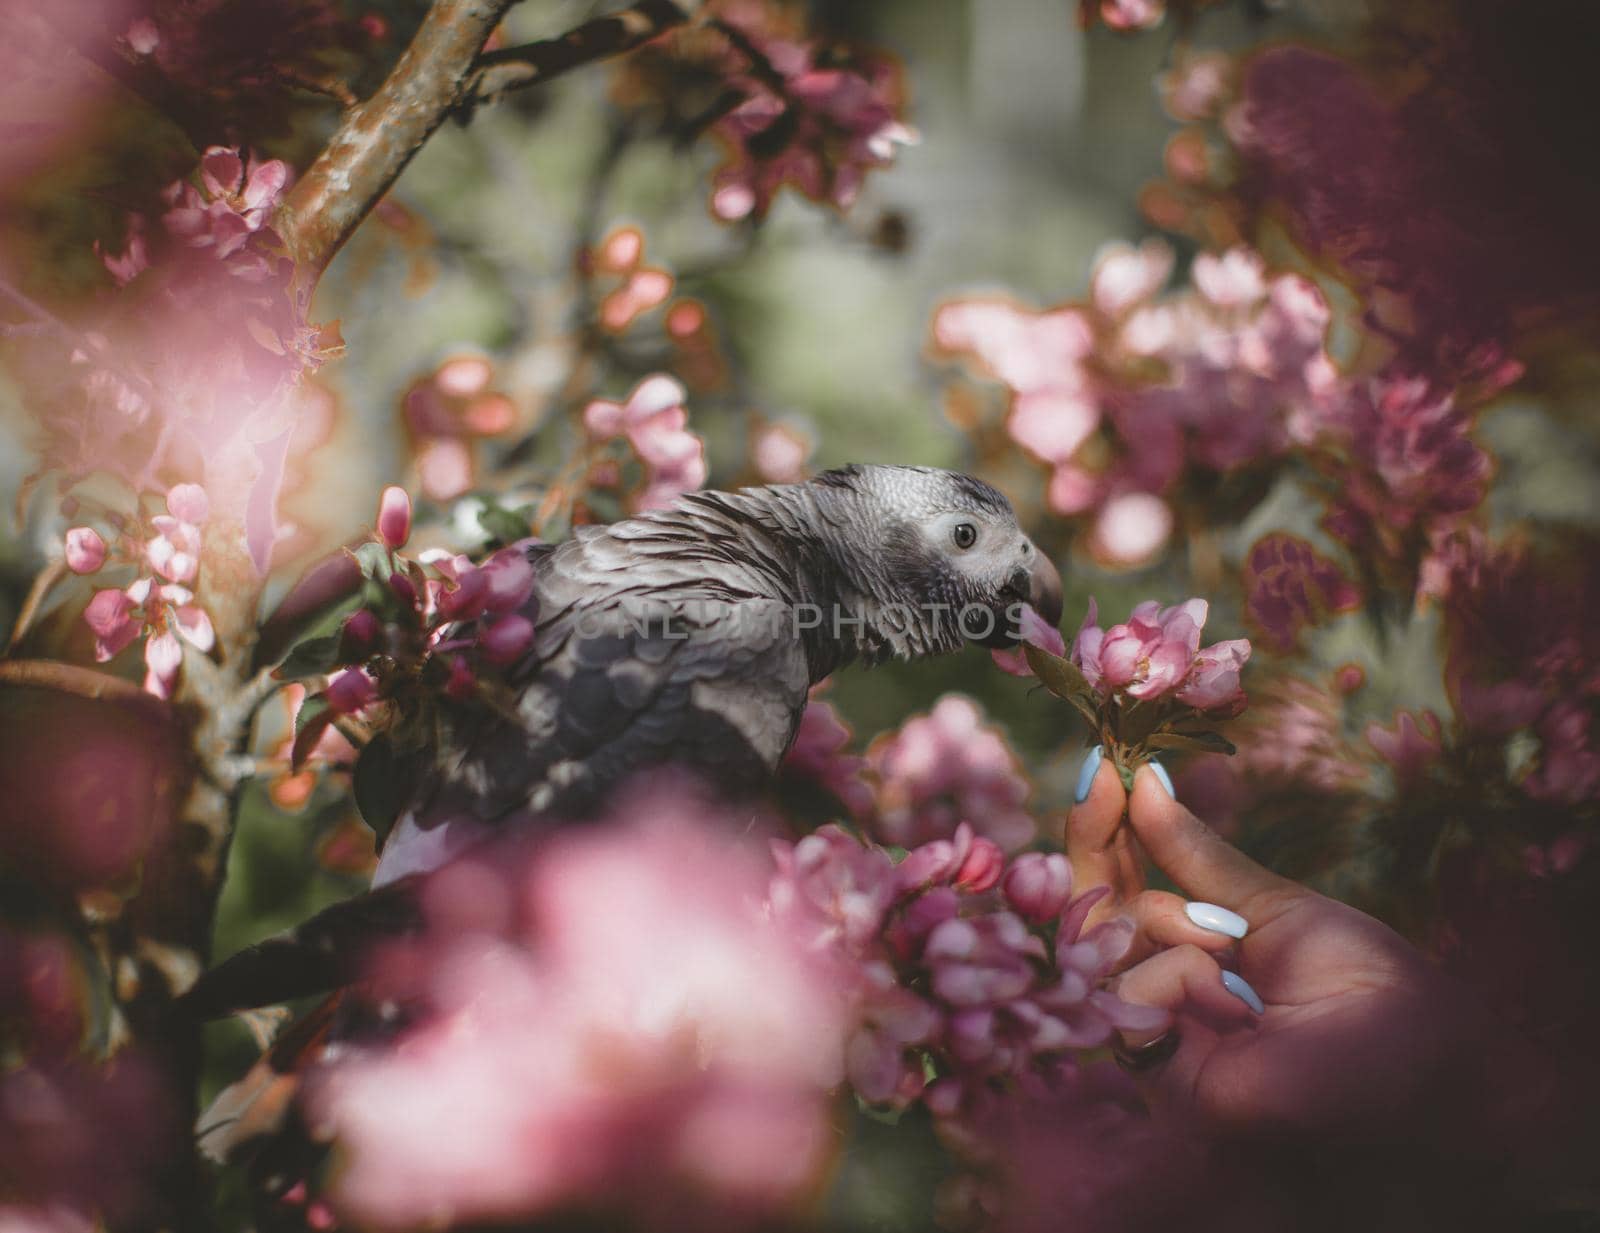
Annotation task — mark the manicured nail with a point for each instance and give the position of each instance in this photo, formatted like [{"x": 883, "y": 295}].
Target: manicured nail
[
  {"x": 1240, "y": 988},
  {"x": 1217, "y": 919},
  {"x": 1166, "y": 779},
  {"x": 1091, "y": 767}
]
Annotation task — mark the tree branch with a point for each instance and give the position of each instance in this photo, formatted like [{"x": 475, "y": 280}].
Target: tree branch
[
  {"x": 379, "y": 136},
  {"x": 443, "y": 71},
  {"x": 513, "y": 68}
]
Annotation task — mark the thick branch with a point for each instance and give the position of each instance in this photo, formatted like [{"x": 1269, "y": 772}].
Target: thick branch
[
  {"x": 513, "y": 68},
  {"x": 441, "y": 72},
  {"x": 378, "y": 137}
]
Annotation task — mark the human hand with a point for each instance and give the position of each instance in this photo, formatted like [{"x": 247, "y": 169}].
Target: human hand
[{"x": 1318, "y": 1018}]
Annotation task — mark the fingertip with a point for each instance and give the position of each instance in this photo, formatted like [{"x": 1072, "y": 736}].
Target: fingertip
[{"x": 1087, "y": 773}]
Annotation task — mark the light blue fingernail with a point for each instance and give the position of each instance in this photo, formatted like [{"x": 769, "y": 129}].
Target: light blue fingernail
[
  {"x": 1091, "y": 767},
  {"x": 1166, "y": 779},
  {"x": 1240, "y": 988},
  {"x": 1217, "y": 919}
]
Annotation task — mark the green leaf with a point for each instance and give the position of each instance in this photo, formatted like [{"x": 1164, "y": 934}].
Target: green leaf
[
  {"x": 1192, "y": 742},
  {"x": 1138, "y": 721},
  {"x": 373, "y": 558},
  {"x": 379, "y": 785},
  {"x": 312, "y": 657},
  {"x": 505, "y": 526},
  {"x": 309, "y": 725},
  {"x": 1060, "y": 676}
]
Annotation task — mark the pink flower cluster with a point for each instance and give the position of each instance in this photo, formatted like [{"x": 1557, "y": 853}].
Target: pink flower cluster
[
  {"x": 1524, "y": 654},
  {"x": 1157, "y": 654},
  {"x": 942, "y": 769},
  {"x": 1121, "y": 393},
  {"x": 955, "y": 961},
  {"x": 608, "y": 1022},
  {"x": 818, "y": 127},
  {"x": 1290, "y": 586},
  {"x": 1405, "y": 469},
  {"x": 654, "y": 423},
  {"x": 637, "y": 288},
  {"x": 819, "y": 753},
  {"x": 445, "y": 413},
  {"x": 156, "y": 606}
]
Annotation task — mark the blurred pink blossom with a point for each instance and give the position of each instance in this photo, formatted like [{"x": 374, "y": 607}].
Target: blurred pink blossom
[
  {"x": 819, "y": 133},
  {"x": 654, "y": 421},
  {"x": 1038, "y": 885},
  {"x": 445, "y": 414},
  {"x": 1197, "y": 84},
  {"x": 818, "y": 753},
  {"x": 1122, "y": 393},
  {"x": 1409, "y": 746},
  {"x": 944, "y": 768},
  {"x": 613, "y": 1021},
  {"x": 1290, "y": 586}
]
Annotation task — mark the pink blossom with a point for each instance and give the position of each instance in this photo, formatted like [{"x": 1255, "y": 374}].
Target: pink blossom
[
  {"x": 1038, "y": 885},
  {"x": 831, "y": 887},
  {"x": 779, "y": 454},
  {"x": 110, "y": 616},
  {"x": 1196, "y": 85},
  {"x": 1130, "y": 528},
  {"x": 1033, "y": 629},
  {"x": 1132, "y": 14},
  {"x": 85, "y": 550},
  {"x": 188, "y": 503},
  {"x": 1410, "y": 746},
  {"x": 394, "y": 517},
  {"x": 1157, "y": 653},
  {"x": 654, "y": 422},
  {"x": 1569, "y": 764},
  {"x": 644, "y": 1031},
  {"x": 1289, "y": 586},
  {"x": 982, "y": 960},
  {"x": 830, "y": 126},
  {"x": 943, "y": 768},
  {"x": 163, "y": 656},
  {"x": 1125, "y": 277},
  {"x": 818, "y": 753},
  {"x": 1234, "y": 280}
]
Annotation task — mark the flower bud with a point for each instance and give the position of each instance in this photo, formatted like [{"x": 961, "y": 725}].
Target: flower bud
[
  {"x": 394, "y": 517},
  {"x": 506, "y": 640},
  {"x": 983, "y": 865},
  {"x": 403, "y": 589},
  {"x": 1038, "y": 885},
  {"x": 359, "y": 637},
  {"x": 350, "y": 690},
  {"x": 86, "y": 551},
  {"x": 462, "y": 684},
  {"x": 188, "y": 503}
]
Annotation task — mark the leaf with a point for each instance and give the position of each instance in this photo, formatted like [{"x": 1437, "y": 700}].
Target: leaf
[
  {"x": 311, "y": 657},
  {"x": 1138, "y": 721},
  {"x": 309, "y": 725},
  {"x": 1060, "y": 676},
  {"x": 506, "y": 526},
  {"x": 373, "y": 558},
  {"x": 380, "y": 786},
  {"x": 1192, "y": 742}
]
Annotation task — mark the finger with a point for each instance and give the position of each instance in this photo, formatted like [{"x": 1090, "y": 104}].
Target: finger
[
  {"x": 1203, "y": 864},
  {"x": 1183, "y": 979},
  {"x": 1097, "y": 843},
  {"x": 1162, "y": 920}
]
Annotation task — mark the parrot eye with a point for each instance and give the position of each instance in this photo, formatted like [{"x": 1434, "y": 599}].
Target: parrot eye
[{"x": 964, "y": 534}]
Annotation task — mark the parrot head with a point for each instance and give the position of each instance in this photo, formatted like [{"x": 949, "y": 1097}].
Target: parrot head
[{"x": 948, "y": 545}]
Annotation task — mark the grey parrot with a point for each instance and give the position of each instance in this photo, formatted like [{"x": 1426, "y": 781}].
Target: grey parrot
[{"x": 688, "y": 637}]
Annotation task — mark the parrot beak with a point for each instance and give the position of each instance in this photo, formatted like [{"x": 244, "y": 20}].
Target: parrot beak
[{"x": 1044, "y": 589}]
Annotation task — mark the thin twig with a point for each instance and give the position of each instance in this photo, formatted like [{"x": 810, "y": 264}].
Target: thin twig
[
  {"x": 43, "y": 583},
  {"x": 77, "y": 680},
  {"x": 514, "y": 68}
]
